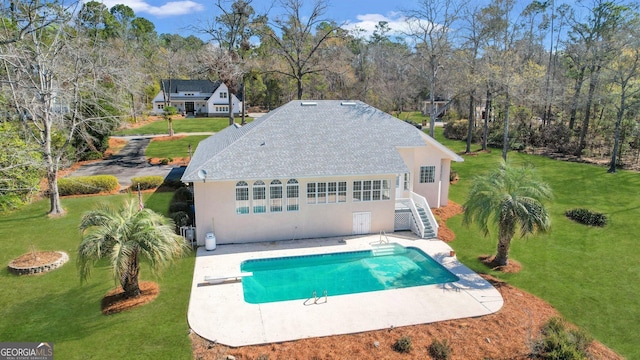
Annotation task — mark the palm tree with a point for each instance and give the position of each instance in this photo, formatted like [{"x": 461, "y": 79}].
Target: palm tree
[
  {"x": 124, "y": 236},
  {"x": 510, "y": 197}
]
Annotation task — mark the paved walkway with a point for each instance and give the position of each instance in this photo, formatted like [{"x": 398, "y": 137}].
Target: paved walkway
[{"x": 219, "y": 312}]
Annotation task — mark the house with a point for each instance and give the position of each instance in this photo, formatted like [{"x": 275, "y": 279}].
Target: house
[
  {"x": 317, "y": 169},
  {"x": 441, "y": 105},
  {"x": 196, "y": 97}
]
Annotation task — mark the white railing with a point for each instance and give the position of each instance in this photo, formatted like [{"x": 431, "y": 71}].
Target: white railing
[{"x": 419, "y": 200}]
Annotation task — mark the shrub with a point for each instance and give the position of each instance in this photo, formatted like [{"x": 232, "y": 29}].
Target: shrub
[
  {"x": 146, "y": 182},
  {"x": 440, "y": 350},
  {"x": 81, "y": 185},
  {"x": 164, "y": 161},
  {"x": 456, "y": 130},
  {"x": 179, "y": 206},
  {"x": 403, "y": 345},
  {"x": 559, "y": 343},
  {"x": 587, "y": 217},
  {"x": 453, "y": 176},
  {"x": 91, "y": 155},
  {"x": 183, "y": 194}
]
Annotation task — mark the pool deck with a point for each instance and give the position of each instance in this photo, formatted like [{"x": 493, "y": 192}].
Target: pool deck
[{"x": 219, "y": 313}]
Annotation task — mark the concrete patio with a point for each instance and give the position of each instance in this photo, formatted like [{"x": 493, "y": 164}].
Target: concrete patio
[{"x": 219, "y": 312}]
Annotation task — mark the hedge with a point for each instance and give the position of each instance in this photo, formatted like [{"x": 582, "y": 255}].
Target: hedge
[
  {"x": 146, "y": 182},
  {"x": 81, "y": 185}
]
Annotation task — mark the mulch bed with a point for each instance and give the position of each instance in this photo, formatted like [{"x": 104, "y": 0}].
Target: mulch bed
[
  {"x": 36, "y": 259},
  {"x": 114, "y": 301}
]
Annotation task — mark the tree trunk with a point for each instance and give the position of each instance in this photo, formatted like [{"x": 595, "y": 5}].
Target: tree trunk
[
  {"x": 506, "y": 232},
  {"x": 471, "y": 124},
  {"x": 432, "y": 112},
  {"x": 52, "y": 172},
  {"x": 54, "y": 194},
  {"x": 582, "y": 143},
  {"x": 231, "y": 119},
  {"x": 299, "y": 80},
  {"x": 574, "y": 99},
  {"x": 129, "y": 283},
  {"x": 244, "y": 100},
  {"x": 616, "y": 142},
  {"x": 505, "y": 137},
  {"x": 487, "y": 113}
]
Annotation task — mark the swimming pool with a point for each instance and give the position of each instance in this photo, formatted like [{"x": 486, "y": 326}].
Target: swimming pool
[{"x": 298, "y": 277}]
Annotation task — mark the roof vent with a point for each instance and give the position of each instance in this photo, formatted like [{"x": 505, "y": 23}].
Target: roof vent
[
  {"x": 237, "y": 126},
  {"x": 308, "y": 103},
  {"x": 348, "y": 103}
]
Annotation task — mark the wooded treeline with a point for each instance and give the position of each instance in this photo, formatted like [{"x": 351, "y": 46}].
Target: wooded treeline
[{"x": 517, "y": 75}]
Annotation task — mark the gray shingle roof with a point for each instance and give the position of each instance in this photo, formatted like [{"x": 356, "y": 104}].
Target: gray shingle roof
[{"x": 295, "y": 140}]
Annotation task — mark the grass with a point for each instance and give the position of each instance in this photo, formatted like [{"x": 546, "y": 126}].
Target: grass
[
  {"x": 181, "y": 126},
  {"x": 413, "y": 116},
  {"x": 55, "y": 307},
  {"x": 173, "y": 148},
  {"x": 588, "y": 273}
]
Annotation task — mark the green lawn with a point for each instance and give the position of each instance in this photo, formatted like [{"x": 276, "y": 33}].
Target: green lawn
[
  {"x": 589, "y": 274},
  {"x": 173, "y": 148},
  {"x": 55, "y": 307},
  {"x": 181, "y": 126}
]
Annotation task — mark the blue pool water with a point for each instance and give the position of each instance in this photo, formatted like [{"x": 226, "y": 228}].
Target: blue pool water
[{"x": 298, "y": 277}]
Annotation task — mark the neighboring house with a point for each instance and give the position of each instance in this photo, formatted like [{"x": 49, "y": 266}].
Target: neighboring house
[
  {"x": 441, "y": 106},
  {"x": 196, "y": 97},
  {"x": 318, "y": 169}
]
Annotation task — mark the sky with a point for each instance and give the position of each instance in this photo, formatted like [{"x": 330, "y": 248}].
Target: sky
[{"x": 179, "y": 16}]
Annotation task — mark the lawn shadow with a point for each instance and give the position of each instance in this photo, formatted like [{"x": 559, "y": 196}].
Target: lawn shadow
[{"x": 67, "y": 315}]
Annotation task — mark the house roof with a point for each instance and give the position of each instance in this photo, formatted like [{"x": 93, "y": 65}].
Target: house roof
[
  {"x": 310, "y": 139},
  {"x": 176, "y": 86}
]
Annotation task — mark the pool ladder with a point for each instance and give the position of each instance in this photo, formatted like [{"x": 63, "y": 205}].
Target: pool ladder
[{"x": 315, "y": 298}]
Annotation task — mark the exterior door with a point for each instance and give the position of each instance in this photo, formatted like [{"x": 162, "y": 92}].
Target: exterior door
[
  {"x": 361, "y": 223},
  {"x": 188, "y": 107}
]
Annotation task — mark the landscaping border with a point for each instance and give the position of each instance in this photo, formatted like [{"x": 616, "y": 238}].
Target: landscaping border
[{"x": 38, "y": 269}]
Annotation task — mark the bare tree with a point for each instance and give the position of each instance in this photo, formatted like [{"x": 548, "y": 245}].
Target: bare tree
[
  {"x": 297, "y": 38},
  {"x": 230, "y": 31},
  {"x": 216, "y": 63},
  {"x": 58, "y": 84},
  {"x": 431, "y": 28}
]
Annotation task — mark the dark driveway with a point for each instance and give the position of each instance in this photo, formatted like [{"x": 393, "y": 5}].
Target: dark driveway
[{"x": 129, "y": 163}]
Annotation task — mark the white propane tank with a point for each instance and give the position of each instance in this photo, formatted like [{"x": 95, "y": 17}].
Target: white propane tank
[{"x": 210, "y": 241}]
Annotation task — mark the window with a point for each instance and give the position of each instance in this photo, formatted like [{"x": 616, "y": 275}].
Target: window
[
  {"x": 371, "y": 190},
  {"x": 242, "y": 198},
  {"x": 223, "y": 95},
  {"x": 342, "y": 191},
  {"x": 311, "y": 193},
  {"x": 275, "y": 196},
  {"x": 357, "y": 190},
  {"x": 406, "y": 181},
  {"x": 259, "y": 197},
  {"x": 332, "y": 192},
  {"x": 292, "y": 195},
  {"x": 160, "y": 107},
  {"x": 326, "y": 192},
  {"x": 427, "y": 174}
]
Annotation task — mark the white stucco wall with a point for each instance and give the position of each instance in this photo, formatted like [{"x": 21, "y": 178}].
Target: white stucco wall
[
  {"x": 215, "y": 211},
  {"x": 437, "y": 192}
]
